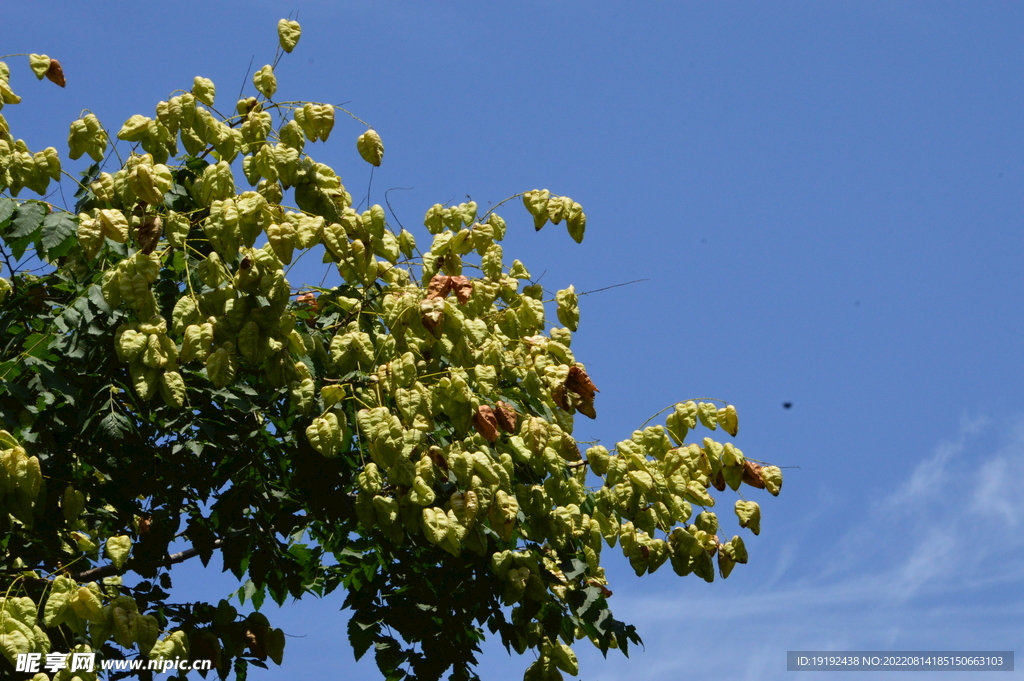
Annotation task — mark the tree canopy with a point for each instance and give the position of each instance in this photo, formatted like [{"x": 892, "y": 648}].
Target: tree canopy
[{"x": 406, "y": 436}]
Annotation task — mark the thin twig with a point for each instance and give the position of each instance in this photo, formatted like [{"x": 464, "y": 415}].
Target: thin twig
[
  {"x": 597, "y": 290},
  {"x": 110, "y": 570},
  {"x": 389, "y": 203}
]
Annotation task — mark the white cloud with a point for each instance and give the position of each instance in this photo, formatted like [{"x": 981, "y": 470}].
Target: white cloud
[{"x": 935, "y": 564}]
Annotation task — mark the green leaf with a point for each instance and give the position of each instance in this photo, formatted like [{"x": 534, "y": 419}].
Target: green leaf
[
  {"x": 27, "y": 220},
  {"x": 114, "y": 426},
  {"x": 361, "y": 636},
  {"x": 58, "y": 235},
  {"x": 37, "y": 345},
  {"x": 7, "y": 208}
]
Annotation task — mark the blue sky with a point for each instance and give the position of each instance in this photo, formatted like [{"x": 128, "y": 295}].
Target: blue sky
[{"x": 825, "y": 199}]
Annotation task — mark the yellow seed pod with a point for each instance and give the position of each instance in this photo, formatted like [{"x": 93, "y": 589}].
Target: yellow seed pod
[
  {"x": 598, "y": 458},
  {"x": 48, "y": 162},
  {"x": 103, "y": 188},
  {"x": 220, "y": 366},
  {"x": 39, "y": 64},
  {"x": 772, "y": 478},
  {"x": 111, "y": 288},
  {"x": 154, "y": 355},
  {"x": 434, "y": 220},
  {"x": 204, "y": 90},
  {"x": 217, "y": 183},
  {"x": 176, "y": 229},
  {"x": 576, "y": 222},
  {"x": 435, "y": 525},
  {"x": 749, "y": 514},
  {"x": 7, "y": 95},
  {"x": 117, "y": 549},
  {"x": 728, "y": 419},
  {"x": 320, "y": 119},
  {"x": 90, "y": 235},
  {"x": 732, "y": 456},
  {"x": 172, "y": 388},
  {"x": 169, "y": 114},
  {"x": 114, "y": 225},
  {"x": 287, "y": 160},
  {"x": 288, "y": 34},
  {"x": 291, "y": 134},
  {"x": 370, "y": 147},
  {"x": 282, "y": 239},
  {"x": 708, "y": 415},
  {"x": 568, "y": 308},
  {"x": 265, "y": 81},
  {"x": 249, "y": 344}
]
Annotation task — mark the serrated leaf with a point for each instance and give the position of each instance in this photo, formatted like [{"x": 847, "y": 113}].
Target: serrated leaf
[
  {"x": 361, "y": 636},
  {"x": 114, "y": 426},
  {"x": 26, "y": 221},
  {"x": 7, "y": 208},
  {"x": 58, "y": 234}
]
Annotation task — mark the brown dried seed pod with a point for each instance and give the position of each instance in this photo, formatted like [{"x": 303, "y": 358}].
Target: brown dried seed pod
[
  {"x": 719, "y": 481},
  {"x": 440, "y": 285},
  {"x": 55, "y": 74},
  {"x": 578, "y": 382},
  {"x": 752, "y": 474},
  {"x": 506, "y": 417},
  {"x": 586, "y": 407},
  {"x": 438, "y": 458},
  {"x": 463, "y": 288},
  {"x": 485, "y": 423},
  {"x": 148, "y": 233},
  {"x": 560, "y": 398}
]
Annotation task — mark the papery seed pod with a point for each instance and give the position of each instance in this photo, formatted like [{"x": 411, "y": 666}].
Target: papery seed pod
[
  {"x": 749, "y": 514},
  {"x": 728, "y": 419},
  {"x": 288, "y": 34},
  {"x": 371, "y": 147},
  {"x": 7, "y": 95},
  {"x": 320, "y": 118},
  {"x": 576, "y": 222},
  {"x": 220, "y": 366},
  {"x": 598, "y": 458},
  {"x": 536, "y": 201},
  {"x": 406, "y": 243},
  {"x": 185, "y": 313},
  {"x": 169, "y": 114},
  {"x": 708, "y": 415},
  {"x": 39, "y": 64},
  {"x": 568, "y": 308},
  {"x": 735, "y": 549},
  {"x": 117, "y": 549},
  {"x": 204, "y": 90},
  {"x": 172, "y": 388},
  {"x": 434, "y": 218},
  {"x": 55, "y": 73},
  {"x": 135, "y": 129},
  {"x": 114, "y": 225},
  {"x": 505, "y": 416},
  {"x": 265, "y": 81},
  {"x": 772, "y": 477},
  {"x": 752, "y": 474},
  {"x": 90, "y": 235},
  {"x": 282, "y": 240},
  {"x": 485, "y": 423},
  {"x": 435, "y": 525}
]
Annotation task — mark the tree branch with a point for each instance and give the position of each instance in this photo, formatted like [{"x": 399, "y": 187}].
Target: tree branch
[{"x": 110, "y": 570}]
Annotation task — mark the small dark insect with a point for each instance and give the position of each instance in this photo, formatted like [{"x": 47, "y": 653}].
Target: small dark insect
[{"x": 787, "y": 405}]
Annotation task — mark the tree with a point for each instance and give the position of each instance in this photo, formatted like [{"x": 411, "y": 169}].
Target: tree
[{"x": 406, "y": 436}]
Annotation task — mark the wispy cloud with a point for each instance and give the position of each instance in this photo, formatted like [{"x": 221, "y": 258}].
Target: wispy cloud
[{"x": 934, "y": 563}]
